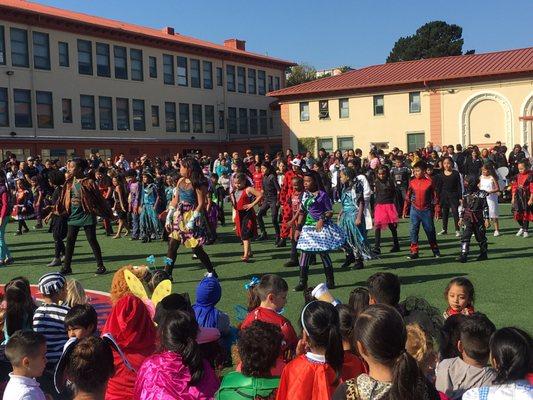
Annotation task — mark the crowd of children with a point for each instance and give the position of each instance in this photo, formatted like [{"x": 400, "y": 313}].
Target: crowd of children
[{"x": 374, "y": 347}]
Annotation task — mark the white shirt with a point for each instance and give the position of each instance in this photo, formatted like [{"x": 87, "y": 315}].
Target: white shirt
[
  {"x": 519, "y": 390},
  {"x": 22, "y": 388},
  {"x": 335, "y": 169}
]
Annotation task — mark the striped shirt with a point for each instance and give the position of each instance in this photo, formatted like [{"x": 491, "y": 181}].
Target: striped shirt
[{"x": 49, "y": 319}]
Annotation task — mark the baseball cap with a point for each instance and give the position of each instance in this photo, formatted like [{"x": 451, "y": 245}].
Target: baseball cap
[{"x": 296, "y": 162}]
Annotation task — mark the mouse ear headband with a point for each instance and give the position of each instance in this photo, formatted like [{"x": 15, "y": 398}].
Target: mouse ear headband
[{"x": 60, "y": 378}]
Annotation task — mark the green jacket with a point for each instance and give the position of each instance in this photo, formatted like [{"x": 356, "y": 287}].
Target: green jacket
[{"x": 236, "y": 386}]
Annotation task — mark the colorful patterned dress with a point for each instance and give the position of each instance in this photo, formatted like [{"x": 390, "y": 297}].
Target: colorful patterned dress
[
  {"x": 150, "y": 225},
  {"x": 184, "y": 211}
]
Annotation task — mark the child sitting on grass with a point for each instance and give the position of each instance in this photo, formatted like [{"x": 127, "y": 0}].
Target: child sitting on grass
[
  {"x": 459, "y": 295},
  {"x": 457, "y": 375},
  {"x": 81, "y": 321},
  {"x": 26, "y": 351}
]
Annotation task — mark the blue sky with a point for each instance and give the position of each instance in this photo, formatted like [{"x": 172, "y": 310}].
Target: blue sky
[{"x": 324, "y": 33}]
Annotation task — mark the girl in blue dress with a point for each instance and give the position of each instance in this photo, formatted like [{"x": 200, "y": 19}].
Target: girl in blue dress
[
  {"x": 352, "y": 220},
  {"x": 151, "y": 228}
]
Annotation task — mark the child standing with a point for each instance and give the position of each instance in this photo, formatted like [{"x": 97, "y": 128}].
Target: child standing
[
  {"x": 318, "y": 233},
  {"x": 459, "y": 294},
  {"x": 244, "y": 200},
  {"x": 58, "y": 223},
  {"x": 419, "y": 203},
  {"x": 474, "y": 216},
  {"x": 271, "y": 191},
  {"x": 120, "y": 205},
  {"x": 296, "y": 204},
  {"x": 150, "y": 225},
  {"x": 38, "y": 201},
  {"x": 257, "y": 177},
  {"x": 351, "y": 220},
  {"x": 315, "y": 373},
  {"x": 385, "y": 213},
  {"x": 26, "y": 351},
  {"x": 522, "y": 198},
  {"x": 134, "y": 195},
  {"x": 490, "y": 185},
  {"x": 23, "y": 208}
]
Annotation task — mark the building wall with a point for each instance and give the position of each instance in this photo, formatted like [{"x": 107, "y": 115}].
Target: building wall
[
  {"x": 66, "y": 82},
  {"x": 462, "y": 114}
]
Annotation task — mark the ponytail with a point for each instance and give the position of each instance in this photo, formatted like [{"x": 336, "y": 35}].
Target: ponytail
[
  {"x": 405, "y": 377},
  {"x": 334, "y": 352}
]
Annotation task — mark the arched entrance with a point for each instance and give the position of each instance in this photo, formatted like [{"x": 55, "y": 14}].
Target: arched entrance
[{"x": 526, "y": 119}]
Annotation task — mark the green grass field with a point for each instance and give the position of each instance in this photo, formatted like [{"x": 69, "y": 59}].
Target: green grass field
[{"x": 502, "y": 283}]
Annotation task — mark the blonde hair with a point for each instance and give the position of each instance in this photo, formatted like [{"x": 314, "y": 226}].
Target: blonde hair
[
  {"x": 420, "y": 346},
  {"x": 75, "y": 293}
]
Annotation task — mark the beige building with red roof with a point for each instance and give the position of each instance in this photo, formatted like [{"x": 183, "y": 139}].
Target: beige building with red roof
[
  {"x": 472, "y": 99},
  {"x": 72, "y": 83}
]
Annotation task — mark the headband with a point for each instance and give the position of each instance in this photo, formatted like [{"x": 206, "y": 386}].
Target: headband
[{"x": 302, "y": 316}]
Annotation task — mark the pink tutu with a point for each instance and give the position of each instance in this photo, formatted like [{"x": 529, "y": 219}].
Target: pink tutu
[{"x": 385, "y": 214}]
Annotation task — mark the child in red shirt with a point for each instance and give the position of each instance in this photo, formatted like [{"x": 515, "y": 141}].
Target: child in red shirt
[
  {"x": 522, "y": 198},
  {"x": 257, "y": 177}
]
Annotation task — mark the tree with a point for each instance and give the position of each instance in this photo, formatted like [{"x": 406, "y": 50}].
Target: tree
[
  {"x": 300, "y": 74},
  {"x": 434, "y": 39}
]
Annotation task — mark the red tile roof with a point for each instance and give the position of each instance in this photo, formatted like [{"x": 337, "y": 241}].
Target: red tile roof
[
  {"x": 122, "y": 29},
  {"x": 423, "y": 72}
]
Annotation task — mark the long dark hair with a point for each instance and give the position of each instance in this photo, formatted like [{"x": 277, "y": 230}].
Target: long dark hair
[
  {"x": 19, "y": 305},
  {"x": 381, "y": 330},
  {"x": 178, "y": 334},
  {"x": 511, "y": 350},
  {"x": 269, "y": 167},
  {"x": 321, "y": 322},
  {"x": 197, "y": 177}
]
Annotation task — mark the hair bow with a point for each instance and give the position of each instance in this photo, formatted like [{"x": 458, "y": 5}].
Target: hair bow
[
  {"x": 168, "y": 261},
  {"x": 150, "y": 260},
  {"x": 254, "y": 282}
]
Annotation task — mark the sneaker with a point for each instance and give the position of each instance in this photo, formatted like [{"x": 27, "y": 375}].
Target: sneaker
[
  {"x": 436, "y": 254},
  {"x": 443, "y": 232},
  {"x": 9, "y": 261},
  {"x": 56, "y": 262},
  {"x": 482, "y": 257},
  {"x": 462, "y": 258},
  {"x": 100, "y": 271},
  {"x": 497, "y": 233},
  {"x": 66, "y": 271},
  {"x": 525, "y": 234},
  {"x": 413, "y": 256},
  {"x": 457, "y": 234},
  {"x": 358, "y": 264},
  {"x": 18, "y": 233},
  {"x": 291, "y": 263},
  {"x": 520, "y": 232}
]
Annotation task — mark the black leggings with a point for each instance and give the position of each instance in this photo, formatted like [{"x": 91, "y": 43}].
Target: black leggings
[
  {"x": 22, "y": 224},
  {"x": 377, "y": 236},
  {"x": 172, "y": 252},
  {"x": 447, "y": 203},
  {"x": 274, "y": 209},
  {"x": 90, "y": 233}
]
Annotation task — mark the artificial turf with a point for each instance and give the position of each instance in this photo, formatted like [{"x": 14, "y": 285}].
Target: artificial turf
[{"x": 502, "y": 283}]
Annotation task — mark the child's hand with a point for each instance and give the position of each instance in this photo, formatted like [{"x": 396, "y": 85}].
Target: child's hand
[
  {"x": 319, "y": 225},
  {"x": 301, "y": 347},
  {"x": 247, "y": 207},
  {"x": 530, "y": 202},
  {"x": 487, "y": 223},
  {"x": 358, "y": 221},
  {"x": 404, "y": 215},
  {"x": 168, "y": 227},
  {"x": 460, "y": 222}
]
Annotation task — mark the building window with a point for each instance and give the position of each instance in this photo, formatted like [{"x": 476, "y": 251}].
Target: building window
[
  {"x": 195, "y": 73},
  {"x": 182, "y": 71},
  {"x": 323, "y": 109},
  {"x": 105, "y": 107},
  {"x": 276, "y": 83},
  {"x": 345, "y": 143},
  {"x": 220, "y": 75},
  {"x": 121, "y": 62},
  {"x": 230, "y": 78},
  {"x": 344, "y": 108},
  {"x": 19, "y": 48},
  {"x": 170, "y": 116},
  {"x": 208, "y": 74},
  {"x": 88, "y": 120},
  {"x": 414, "y": 102},
  {"x": 304, "y": 111},
  {"x": 197, "y": 119},
  {"x": 155, "y": 115},
  {"x": 136, "y": 60},
  {"x": 66, "y": 106},
  {"x": 85, "y": 57},
  {"x": 263, "y": 122},
  {"x": 232, "y": 120},
  {"x": 123, "y": 114},
  {"x": 243, "y": 121},
  {"x": 270, "y": 83},
  {"x": 241, "y": 79},
  {"x": 2, "y": 46},
  {"x": 254, "y": 126},
  {"x": 326, "y": 144},
  {"x": 4, "y": 107},
  {"x": 45, "y": 110},
  {"x": 41, "y": 50},
  {"x": 103, "y": 66},
  {"x": 379, "y": 105},
  {"x": 261, "y": 82},
  {"x": 64, "y": 59},
  {"x": 22, "y": 99},
  {"x": 152, "y": 64},
  {"x": 185, "y": 125},
  {"x": 139, "y": 119},
  {"x": 221, "y": 120},
  {"x": 415, "y": 141},
  {"x": 209, "y": 119},
  {"x": 252, "y": 81},
  {"x": 168, "y": 69}
]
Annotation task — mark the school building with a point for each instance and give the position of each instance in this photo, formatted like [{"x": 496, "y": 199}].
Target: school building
[
  {"x": 74, "y": 84},
  {"x": 471, "y": 99}
]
